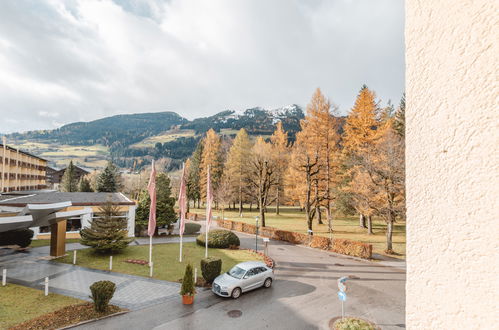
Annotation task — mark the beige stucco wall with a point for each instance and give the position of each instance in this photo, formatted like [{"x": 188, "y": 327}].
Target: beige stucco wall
[{"x": 452, "y": 164}]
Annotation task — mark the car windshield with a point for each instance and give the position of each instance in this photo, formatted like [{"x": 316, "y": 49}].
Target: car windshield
[{"x": 236, "y": 272}]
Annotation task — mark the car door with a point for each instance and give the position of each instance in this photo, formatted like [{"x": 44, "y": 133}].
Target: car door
[
  {"x": 260, "y": 276},
  {"x": 250, "y": 279}
]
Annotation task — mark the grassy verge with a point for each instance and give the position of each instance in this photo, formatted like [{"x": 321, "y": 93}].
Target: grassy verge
[
  {"x": 350, "y": 323},
  {"x": 165, "y": 258},
  {"x": 19, "y": 304},
  {"x": 46, "y": 242},
  {"x": 292, "y": 219}
]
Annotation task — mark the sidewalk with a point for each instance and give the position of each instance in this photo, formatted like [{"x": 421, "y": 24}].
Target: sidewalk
[{"x": 132, "y": 292}]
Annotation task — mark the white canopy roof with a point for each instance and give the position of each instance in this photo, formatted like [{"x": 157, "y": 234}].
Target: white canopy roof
[{"x": 36, "y": 215}]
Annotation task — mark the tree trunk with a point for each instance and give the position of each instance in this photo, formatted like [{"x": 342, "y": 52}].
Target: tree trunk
[
  {"x": 369, "y": 225},
  {"x": 319, "y": 215},
  {"x": 389, "y": 234},
  {"x": 362, "y": 221},
  {"x": 240, "y": 200},
  {"x": 261, "y": 208},
  {"x": 329, "y": 221},
  {"x": 277, "y": 201},
  {"x": 251, "y": 206},
  {"x": 317, "y": 206}
]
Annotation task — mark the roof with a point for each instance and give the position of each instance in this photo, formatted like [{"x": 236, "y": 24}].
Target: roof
[
  {"x": 22, "y": 152},
  {"x": 250, "y": 264},
  {"x": 76, "y": 198}
]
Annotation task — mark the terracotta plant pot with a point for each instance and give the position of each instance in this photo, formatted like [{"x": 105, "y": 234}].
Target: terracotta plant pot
[{"x": 187, "y": 300}]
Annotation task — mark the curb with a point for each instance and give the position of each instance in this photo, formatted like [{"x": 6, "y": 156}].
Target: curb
[{"x": 94, "y": 320}]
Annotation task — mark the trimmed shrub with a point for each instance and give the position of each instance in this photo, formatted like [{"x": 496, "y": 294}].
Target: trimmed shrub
[
  {"x": 191, "y": 228},
  {"x": 352, "y": 248},
  {"x": 21, "y": 237},
  {"x": 188, "y": 288},
  {"x": 320, "y": 242},
  {"x": 342, "y": 246},
  {"x": 211, "y": 268},
  {"x": 219, "y": 239},
  {"x": 102, "y": 293}
]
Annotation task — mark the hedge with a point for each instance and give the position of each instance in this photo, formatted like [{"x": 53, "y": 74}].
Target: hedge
[
  {"x": 191, "y": 228},
  {"x": 21, "y": 237},
  {"x": 338, "y": 245},
  {"x": 219, "y": 239}
]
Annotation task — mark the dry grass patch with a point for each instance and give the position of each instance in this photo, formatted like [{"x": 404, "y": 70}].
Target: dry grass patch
[
  {"x": 65, "y": 316},
  {"x": 19, "y": 304}
]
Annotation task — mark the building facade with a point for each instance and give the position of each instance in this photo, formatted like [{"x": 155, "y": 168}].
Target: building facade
[
  {"x": 54, "y": 177},
  {"x": 452, "y": 164},
  {"x": 21, "y": 171}
]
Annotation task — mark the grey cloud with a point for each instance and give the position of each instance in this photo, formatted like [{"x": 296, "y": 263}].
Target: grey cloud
[{"x": 82, "y": 60}]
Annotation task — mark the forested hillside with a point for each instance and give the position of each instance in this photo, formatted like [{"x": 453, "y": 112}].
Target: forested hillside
[{"x": 132, "y": 141}]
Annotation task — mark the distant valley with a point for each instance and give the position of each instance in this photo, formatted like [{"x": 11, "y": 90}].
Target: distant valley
[{"x": 132, "y": 141}]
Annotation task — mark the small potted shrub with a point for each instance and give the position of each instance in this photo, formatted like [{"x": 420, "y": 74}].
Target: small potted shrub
[{"x": 188, "y": 290}]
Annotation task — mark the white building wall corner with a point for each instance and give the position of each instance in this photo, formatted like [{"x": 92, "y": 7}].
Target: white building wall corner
[
  {"x": 131, "y": 220},
  {"x": 452, "y": 164}
]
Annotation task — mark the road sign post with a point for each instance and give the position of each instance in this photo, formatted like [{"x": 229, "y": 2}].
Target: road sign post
[{"x": 342, "y": 296}]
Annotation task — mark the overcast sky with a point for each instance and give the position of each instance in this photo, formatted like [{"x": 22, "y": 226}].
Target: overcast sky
[{"x": 80, "y": 60}]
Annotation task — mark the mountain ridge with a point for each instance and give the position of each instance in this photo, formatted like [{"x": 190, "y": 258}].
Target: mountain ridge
[{"x": 127, "y": 137}]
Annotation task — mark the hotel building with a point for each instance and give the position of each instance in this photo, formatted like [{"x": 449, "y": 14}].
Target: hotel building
[{"x": 21, "y": 171}]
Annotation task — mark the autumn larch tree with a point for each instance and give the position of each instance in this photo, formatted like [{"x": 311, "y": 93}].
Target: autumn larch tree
[
  {"x": 279, "y": 140},
  {"x": 237, "y": 165},
  {"x": 360, "y": 133},
  {"x": 262, "y": 173},
  {"x": 212, "y": 157},
  {"x": 379, "y": 175}
]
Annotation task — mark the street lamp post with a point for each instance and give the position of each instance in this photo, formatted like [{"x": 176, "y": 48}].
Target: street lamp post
[{"x": 256, "y": 234}]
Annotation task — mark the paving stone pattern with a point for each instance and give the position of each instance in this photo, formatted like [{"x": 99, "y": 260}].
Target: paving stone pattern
[{"x": 132, "y": 292}]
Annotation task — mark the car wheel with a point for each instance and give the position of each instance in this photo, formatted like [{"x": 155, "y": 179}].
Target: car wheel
[
  {"x": 267, "y": 283},
  {"x": 236, "y": 293}
]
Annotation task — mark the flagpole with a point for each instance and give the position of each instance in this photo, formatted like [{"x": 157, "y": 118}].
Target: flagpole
[
  {"x": 151, "y": 227},
  {"x": 180, "y": 257},
  {"x": 181, "y": 206},
  {"x": 208, "y": 214},
  {"x": 150, "y": 251}
]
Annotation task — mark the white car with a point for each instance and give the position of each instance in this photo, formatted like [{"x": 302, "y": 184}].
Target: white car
[{"x": 243, "y": 277}]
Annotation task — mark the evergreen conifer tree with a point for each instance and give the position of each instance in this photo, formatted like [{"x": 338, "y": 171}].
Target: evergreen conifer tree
[
  {"x": 165, "y": 214},
  {"x": 108, "y": 180},
  {"x": 107, "y": 233},
  {"x": 69, "y": 183},
  {"x": 84, "y": 185},
  {"x": 193, "y": 174}
]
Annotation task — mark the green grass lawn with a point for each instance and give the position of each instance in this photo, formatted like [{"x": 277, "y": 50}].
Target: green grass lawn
[
  {"x": 20, "y": 303},
  {"x": 46, "y": 242},
  {"x": 165, "y": 258},
  {"x": 292, "y": 219}
]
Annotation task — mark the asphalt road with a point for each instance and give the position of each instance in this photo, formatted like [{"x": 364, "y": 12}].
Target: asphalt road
[{"x": 304, "y": 296}]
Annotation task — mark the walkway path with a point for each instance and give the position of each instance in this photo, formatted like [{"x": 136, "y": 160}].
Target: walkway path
[{"x": 132, "y": 292}]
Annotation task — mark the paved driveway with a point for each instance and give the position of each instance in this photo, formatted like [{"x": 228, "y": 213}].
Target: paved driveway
[{"x": 302, "y": 297}]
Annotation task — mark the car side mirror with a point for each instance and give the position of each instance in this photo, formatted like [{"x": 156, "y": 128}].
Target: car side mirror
[{"x": 245, "y": 276}]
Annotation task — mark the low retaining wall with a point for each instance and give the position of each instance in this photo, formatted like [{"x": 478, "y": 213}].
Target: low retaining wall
[{"x": 337, "y": 245}]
